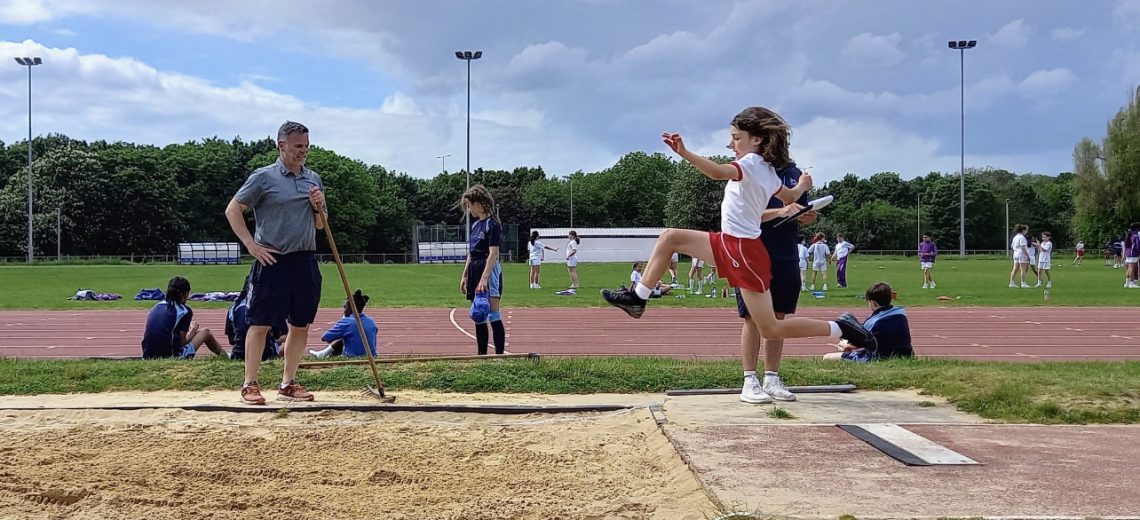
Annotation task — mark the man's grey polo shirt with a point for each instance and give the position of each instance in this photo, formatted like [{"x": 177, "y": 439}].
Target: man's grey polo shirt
[{"x": 281, "y": 208}]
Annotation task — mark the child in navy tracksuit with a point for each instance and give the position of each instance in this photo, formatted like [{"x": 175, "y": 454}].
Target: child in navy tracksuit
[{"x": 889, "y": 326}]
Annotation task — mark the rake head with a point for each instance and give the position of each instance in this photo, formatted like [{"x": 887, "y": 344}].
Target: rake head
[{"x": 378, "y": 394}]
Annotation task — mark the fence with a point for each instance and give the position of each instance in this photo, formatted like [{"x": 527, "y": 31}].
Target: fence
[{"x": 443, "y": 243}]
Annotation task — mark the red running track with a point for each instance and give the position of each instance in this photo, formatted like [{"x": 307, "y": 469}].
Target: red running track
[{"x": 1002, "y": 334}]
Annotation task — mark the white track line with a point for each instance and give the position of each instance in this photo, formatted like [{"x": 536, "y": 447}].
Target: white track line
[
  {"x": 457, "y": 327},
  {"x": 468, "y": 334}
]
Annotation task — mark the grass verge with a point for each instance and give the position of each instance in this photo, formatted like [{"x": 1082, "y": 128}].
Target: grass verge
[{"x": 1047, "y": 393}]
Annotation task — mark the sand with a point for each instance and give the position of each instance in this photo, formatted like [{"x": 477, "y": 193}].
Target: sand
[{"x": 170, "y": 463}]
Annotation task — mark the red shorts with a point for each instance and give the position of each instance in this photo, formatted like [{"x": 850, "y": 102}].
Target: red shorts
[
  {"x": 744, "y": 261},
  {"x": 1081, "y": 252}
]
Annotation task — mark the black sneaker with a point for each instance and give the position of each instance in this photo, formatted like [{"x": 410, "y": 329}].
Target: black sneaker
[
  {"x": 626, "y": 300},
  {"x": 855, "y": 333}
]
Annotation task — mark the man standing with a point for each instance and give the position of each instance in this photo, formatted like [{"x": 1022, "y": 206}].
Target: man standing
[
  {"x": 285, "y": 280},
  {"x": 780, "y": 239},
  {"x": 842, "y": 249}
]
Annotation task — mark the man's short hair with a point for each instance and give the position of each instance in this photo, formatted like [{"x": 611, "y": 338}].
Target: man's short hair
[
  {"x": 879, "y": 293},
  {"x": 289, "y": 128}
]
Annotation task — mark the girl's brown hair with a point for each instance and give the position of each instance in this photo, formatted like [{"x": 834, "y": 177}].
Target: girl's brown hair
[
  {"x": 774, "y": 133},
  {"x": 477, "y": 194}
]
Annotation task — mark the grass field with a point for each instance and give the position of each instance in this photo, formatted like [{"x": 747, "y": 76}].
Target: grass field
[
  {"x": 977, "y": 281},
  {"x": 1013, "y": 392}
]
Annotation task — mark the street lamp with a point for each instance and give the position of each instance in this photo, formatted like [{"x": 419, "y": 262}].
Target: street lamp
[
  {"x": 444, "y": 159},
  {"x": 961, "y": 46},
  {"x": 468, "y": 56},
  {"x": 1006, "y": 227},
  {"x": 920, "y": 218},
  {"x": 571, "y": 202},
  {"x": 29, "y": 63}
]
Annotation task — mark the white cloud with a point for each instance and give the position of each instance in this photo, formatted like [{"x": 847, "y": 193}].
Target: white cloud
[
  {"x": 1127, "y": 13},
  {"x": 1064, "y": 34},
  {"x": 1013, "y": 34},
  {"x": 93, "y": 96},
  {"x": 1046, "y": 82},
  {"x": 24, "y": 12},
  {"x": 834, "y": 147},
  {"x": 872, "y": 49}
]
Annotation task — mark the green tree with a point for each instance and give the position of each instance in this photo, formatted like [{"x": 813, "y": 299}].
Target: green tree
[{"x": 1106, "y": 183}]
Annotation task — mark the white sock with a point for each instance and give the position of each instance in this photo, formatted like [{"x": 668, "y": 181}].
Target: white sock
[
  {"x": 770, "y": 376},
  {"x": 835, "y": 331},
  {"x": 325, "y": 352},
  {"x": 749, "y": 373},
  {"x": 642, "y": 291}
]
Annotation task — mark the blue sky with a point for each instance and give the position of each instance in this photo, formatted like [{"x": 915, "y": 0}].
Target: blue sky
[{"x": 568, "y": 85}]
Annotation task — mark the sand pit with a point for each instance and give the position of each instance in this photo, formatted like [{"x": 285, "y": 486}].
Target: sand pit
[{"x": 172, "y": 463}]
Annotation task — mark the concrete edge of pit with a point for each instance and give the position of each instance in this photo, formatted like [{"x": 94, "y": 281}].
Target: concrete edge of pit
[{"x": 292, "y": 407}]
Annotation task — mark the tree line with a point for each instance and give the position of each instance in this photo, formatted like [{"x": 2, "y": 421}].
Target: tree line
[{"x": 121, "y": 198}]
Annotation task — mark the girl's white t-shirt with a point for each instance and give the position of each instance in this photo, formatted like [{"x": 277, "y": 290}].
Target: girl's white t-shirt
[
  {"x": 635, "y": 277},
  {"x": 536, "y": 250},
  {"x": 803, "y": 252},
  {"x": 819, "y": 252},
  {"x": 572, "y": 247}
]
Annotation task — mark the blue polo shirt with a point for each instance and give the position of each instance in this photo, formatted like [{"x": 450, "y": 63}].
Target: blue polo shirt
[
  {"x": 164, "y": 327},
  {"x": 485, "y": 234},
  {"x": 281, "y": 208},
  {"x": 345, "y": 329},
  {"x": 781, "y": 241}
]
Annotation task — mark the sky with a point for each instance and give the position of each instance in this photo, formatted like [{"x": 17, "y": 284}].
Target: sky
[{"x": 867, "y": 86}]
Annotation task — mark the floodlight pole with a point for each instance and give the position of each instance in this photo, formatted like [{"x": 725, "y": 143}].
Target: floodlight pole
[
  {"x": 961, "y": 46},
  {"x": 468, "y": 56},
  {"x": 29, "y": 63}
]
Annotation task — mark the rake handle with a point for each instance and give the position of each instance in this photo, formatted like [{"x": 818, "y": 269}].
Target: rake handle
[{"x": 351, "y": 303}]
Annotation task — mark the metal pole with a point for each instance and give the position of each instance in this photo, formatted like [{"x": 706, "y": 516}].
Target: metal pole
[
  {"x": 59, "y": 234},
  {"x": 467, "y": 215},
  {"x": 571, "y": 202},
  {"x": 1006, "y": 227},
  {"x": 962, "y": 179},
  {"x": 920, "y": 218},
  {"x": 31, "y": 243}
]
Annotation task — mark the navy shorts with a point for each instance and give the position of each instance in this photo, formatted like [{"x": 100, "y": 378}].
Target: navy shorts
[
  {"x": 785, "y": 288},
  {"x": 289, "y": 290},
  {"x": 494, "y": 282}
]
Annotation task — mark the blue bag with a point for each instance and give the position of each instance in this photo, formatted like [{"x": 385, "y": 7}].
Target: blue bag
[{"x": 480, "y": 307}]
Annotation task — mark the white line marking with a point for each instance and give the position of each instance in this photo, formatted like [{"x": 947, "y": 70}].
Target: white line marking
[
  {"x": 457, "y": 327},
  {"x": 920, "y": 446}
]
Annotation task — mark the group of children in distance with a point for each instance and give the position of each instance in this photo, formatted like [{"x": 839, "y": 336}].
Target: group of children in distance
[
  {"x": 821, "y": 256},
  {"x": 1031, "y": 254},
  {"x": 538, "y": 255},
  {"x": 1120, "y": 253}
]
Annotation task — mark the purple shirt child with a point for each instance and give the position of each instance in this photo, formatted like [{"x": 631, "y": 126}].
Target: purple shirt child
[{"x": 927, "y": 251}]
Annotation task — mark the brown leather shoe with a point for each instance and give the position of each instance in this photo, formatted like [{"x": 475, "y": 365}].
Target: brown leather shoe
[
  {"x": 251, "y": 394},
  {"x": 293, "y": 392}
]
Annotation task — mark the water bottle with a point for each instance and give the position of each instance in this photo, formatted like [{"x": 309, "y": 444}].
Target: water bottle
[{"x": 1046, "y": 294}]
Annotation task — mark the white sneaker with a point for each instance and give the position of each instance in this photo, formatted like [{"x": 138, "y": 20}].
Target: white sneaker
[
  {"x": 1012, "y": 285},
  {"x": 1049, "y": 285},
  {"x": 925, "y": 286},
  {"x": 803, "y": 288},
  {"x": 825, "y": 287},
  {"x": 536, "y": 286},
  {"x": 753, "y": 392},
  {"x": 319, "y": 354},
  {"x": 812, "y": 287},
  {"x": 775, "y": 388},
  {"x": 933, "y": 285},
  {"x": 1025, "y": 286},
  {"x": 1038, "y": 286}
]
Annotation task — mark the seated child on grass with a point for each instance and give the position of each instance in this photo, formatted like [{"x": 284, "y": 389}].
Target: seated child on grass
[{"x": 889, "y": 326}]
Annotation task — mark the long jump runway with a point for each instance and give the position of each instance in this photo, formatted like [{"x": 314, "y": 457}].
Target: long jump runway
[{"x": 999, "y": 334}]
